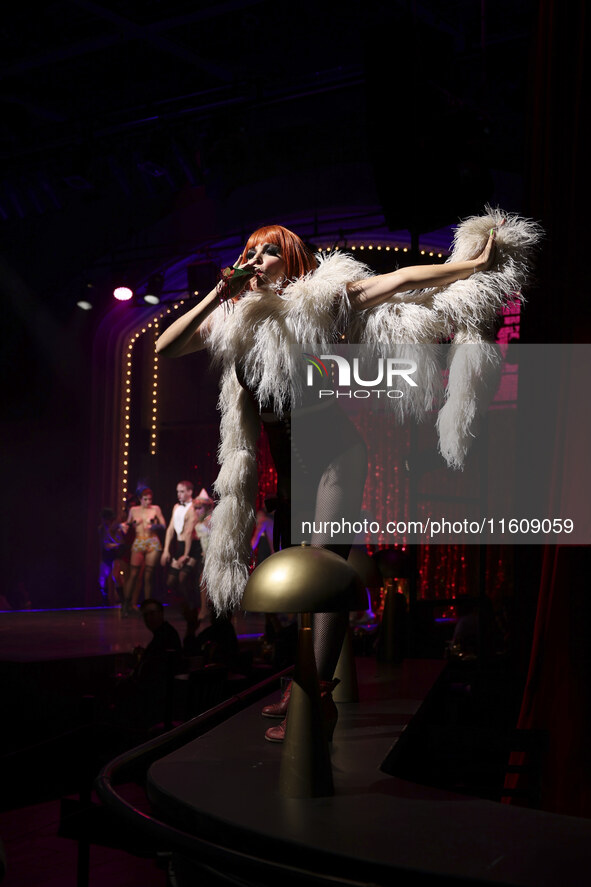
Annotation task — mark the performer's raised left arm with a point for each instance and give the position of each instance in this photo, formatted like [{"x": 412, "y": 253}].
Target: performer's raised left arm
[{"x": 374, "y": 291}]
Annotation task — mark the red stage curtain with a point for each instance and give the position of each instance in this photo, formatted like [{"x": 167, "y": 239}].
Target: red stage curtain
[
  {"x": 558, "y": 689},
  {"x": 557, "y": 696}
]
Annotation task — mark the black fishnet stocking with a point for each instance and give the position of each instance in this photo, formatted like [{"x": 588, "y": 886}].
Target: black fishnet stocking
[
  {"x": 329, "y": 633},
  {"x": 339, "y": 495}
]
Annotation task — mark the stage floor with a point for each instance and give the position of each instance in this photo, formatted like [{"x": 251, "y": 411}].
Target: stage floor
[
  {"x": 47, "y": 635},
  {"x": 223, "y": 786}
]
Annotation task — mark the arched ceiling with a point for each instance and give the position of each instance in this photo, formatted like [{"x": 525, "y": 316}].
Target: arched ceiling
[{"x": 126, "y": 124}]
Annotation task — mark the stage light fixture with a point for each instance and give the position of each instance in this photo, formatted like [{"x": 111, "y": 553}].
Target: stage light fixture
[
  {"x": 84, "y": 302},
  {"x": 123, "y": 293},
  {"x": 154, "y": 289}
]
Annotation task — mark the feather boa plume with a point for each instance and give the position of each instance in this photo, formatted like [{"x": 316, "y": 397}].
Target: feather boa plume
[
  {"x": 472, "y": 304},
  {"x": 465, "y": 311},
  {"x": 470, "y": 307},
  {"x": 474, "y": 375}
]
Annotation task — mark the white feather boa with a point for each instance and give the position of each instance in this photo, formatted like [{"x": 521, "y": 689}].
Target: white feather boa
[
  {"x": 470, "y": 308},
  {"x": 259, "y": 329}
]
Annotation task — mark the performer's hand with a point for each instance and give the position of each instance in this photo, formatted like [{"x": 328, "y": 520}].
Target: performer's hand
[
  {"x": 164, "y": 558},
  {"x": 234, "y": 280},
  {"x": 484, "y": 261}
]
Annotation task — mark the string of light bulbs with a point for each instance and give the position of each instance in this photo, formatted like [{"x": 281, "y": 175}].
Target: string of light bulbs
[
  {"x": 381, "y": 248},
  {"x": 152, "y": 327}
]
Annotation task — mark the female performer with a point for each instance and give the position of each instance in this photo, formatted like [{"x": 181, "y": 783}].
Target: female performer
[
  {"x": 280, "y": 294},
  {"x": 145, "y": 550},
  {"x": 112, "y": 567}
]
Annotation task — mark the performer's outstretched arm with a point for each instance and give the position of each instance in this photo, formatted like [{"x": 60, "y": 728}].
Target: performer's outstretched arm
[{"x": 375, "y": 290}]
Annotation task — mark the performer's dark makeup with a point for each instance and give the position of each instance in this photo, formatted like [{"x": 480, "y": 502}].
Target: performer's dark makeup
[{"x": 271, "y": 249}]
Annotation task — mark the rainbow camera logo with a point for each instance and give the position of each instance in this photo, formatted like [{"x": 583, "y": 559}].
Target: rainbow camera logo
[
  {"x": 314, "y": 363},
  {"x": 349, "y": 373}
]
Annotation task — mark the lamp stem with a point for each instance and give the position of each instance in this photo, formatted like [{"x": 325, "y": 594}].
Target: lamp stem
[{"x": 305, "y": 759}]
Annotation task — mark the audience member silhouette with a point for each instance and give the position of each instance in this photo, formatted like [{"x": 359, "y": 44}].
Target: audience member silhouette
[
  {"x": 217, "y": 643},
  {"x": 141, "y": 698}
]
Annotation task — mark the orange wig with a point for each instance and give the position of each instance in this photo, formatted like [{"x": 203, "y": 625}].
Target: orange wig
[{"x": 299, "y": 260}]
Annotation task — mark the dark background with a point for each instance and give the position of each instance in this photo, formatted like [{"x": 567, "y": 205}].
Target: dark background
[{"x": 133, "y": 134}]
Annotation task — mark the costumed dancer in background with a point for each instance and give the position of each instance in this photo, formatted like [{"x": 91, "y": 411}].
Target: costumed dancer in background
[
  {"x": 203, "y": 506},
  {"x": 112, "y": 568},
  {"x": 146, "y": 518},
  {"x": 262, "y": 538},
  {"x": 182, "y": 551},
  {"x": 283, "y": 295}
]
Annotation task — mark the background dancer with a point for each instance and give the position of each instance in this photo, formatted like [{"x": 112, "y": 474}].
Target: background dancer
[
  {"x": 146, "y": 518},
  {"x": 182, "y": 550}
]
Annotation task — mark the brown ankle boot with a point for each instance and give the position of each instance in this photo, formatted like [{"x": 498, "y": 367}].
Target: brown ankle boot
[
  {"x": 278, "y": 709},
  {"x": 276, "y": 733},
  {"x": 329, "y": 711}
]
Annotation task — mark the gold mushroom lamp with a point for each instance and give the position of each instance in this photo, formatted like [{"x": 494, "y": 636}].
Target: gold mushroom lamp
[{"x": 304, "y": 580}]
